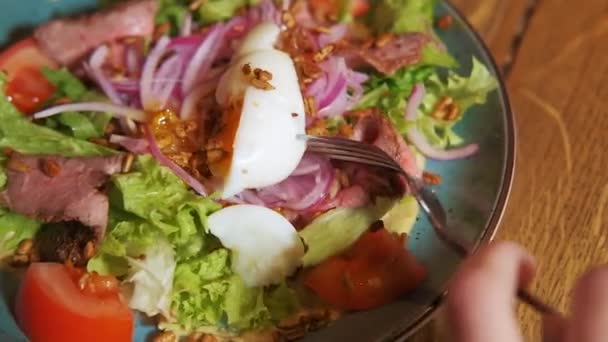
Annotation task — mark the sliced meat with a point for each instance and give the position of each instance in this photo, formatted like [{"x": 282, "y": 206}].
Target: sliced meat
[
  {"x": 55, "y": 189},
  {"x": 374, "y": 128},
  {"x": 351, "y": 197},
  {"x": 387, "y": 54},
  {"x": 65, "y": 241},
  {"x": 68, "y": 40}
]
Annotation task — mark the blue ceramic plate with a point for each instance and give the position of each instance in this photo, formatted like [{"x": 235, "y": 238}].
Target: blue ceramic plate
[{"x": 475, "y": 190}]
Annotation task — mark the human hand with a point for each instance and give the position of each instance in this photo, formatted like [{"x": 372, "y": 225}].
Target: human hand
[{"x": 481, "y": 297}]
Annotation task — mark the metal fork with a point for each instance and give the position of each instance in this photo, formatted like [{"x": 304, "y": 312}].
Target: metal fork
[{"x": 357, "y": 152}]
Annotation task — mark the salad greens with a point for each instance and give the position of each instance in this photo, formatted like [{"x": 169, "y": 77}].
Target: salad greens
[
  {"x": 334, "y": 231},
  {"x": 14, "y": 228},
  {"x": 202, "y": 290},
  {"x": 400, "y": 16},
  {"x": 174, "y": 11},
  {"x": 79, "y": 125},
  {"x": 22, "y": 135},
  {"x": 390, "y": 93}
]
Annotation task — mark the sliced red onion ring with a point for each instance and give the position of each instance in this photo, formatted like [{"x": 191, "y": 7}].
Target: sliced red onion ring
[
  {"x": 116, "y": 110},
  {"x": 134, "y": 145},
  {"x": 414, "y": 102},
  {"x": 94, "y": 69},
  {"x": 418, "y": 139},
  {"x": 338, "y": 87},
  {"x": 163, "y": 160},
  {"x": 203, "y": 58},
  {"x": 307, "y": 186},
  {"x": 166, "y": 79},
  {"x": 148, "y": 98}
]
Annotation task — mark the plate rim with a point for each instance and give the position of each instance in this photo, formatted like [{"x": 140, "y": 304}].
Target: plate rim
[{"x": 493, "y": 224}]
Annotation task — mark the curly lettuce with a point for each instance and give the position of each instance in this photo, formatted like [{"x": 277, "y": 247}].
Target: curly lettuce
[
  {"x": 390, "y": 93},
  {"x": 14, "y": 228},
  {"x": 24, "y": 136},
  {"x": 79, "y": 125},
  {"x": 186, "y": 274}
]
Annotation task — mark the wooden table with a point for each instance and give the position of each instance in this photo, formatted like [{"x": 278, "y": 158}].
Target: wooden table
[{"x": 554, "y": 57}]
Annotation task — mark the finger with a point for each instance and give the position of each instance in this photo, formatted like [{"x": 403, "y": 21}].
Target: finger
[
  {"x": 480, "y": 300},
  {"x": 589, "y": 322},
  {"x": 554, "y": 328}
]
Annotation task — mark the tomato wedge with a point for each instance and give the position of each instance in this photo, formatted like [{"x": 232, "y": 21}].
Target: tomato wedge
[
  {"x": 27, "y": 87},
  {"x": 51, "y": 307},
  {"x": 374, "y": 271}
]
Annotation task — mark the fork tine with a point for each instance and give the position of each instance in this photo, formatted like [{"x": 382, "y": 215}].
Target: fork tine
[
  {"x": 351, "y": 145},
  {"x": 355, "y": 159},
  {"x": 355, "y": 156},
  {"x": 349, "y": 150}
]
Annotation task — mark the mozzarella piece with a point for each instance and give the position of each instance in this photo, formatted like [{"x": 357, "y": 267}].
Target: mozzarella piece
[{"x": 266, "y": 247}]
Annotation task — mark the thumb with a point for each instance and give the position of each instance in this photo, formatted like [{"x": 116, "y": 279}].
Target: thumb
[{"x": 481, "y": 296}]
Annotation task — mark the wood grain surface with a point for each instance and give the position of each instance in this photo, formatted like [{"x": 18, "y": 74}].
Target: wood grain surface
[{"x": 554, "y": 60}]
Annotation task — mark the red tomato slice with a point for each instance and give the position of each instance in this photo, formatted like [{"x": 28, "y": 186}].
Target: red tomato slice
[
  {"x": 27, "y": 88},
  {"x": 374, "y": 271},
  {"x": 24, "y": 53},
  {"x": 50, "y": 307}
]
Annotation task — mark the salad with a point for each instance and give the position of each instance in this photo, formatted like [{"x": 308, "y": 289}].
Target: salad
[{"x": 151, "y": 165}]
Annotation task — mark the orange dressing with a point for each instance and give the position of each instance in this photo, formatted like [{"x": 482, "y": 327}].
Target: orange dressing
[{"x": 224, "y": 139}]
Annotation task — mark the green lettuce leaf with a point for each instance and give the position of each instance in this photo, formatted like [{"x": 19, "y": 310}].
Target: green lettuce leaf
[
  {"x": 466, "y": 91},
  {"x": 336, "y": 230},
  {"x": 152, "y": 279},
  {"x": 22, "y": 135},
  {"x": 217, "y": 10},
  {"x": 174, "y": 12},
  {"x": 14, "y": 228},
  {"x": 79, "y": 125},
  {"x": 401, "y": 16},
  {"x": 157, "y": 195},
  {"x": 151, "y": 205},
  {"x": 207, "y": 293},
  {"x": 390, "y": 93}
]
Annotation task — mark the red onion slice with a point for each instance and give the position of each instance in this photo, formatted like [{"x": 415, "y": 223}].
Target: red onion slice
[
  {"x": 163, "y": 160},
  {"x": 307, "y": 186},
  {"x": 414, "y": 102},
  {"x": 166, "y": 79},
  {"x": 95, "y": 71},
  {"x": 116, "y": 110},
  {"x": 148, "y": 99},
  {"x": 134, "y": 145},
  {"x": 203, "y": 58},
  {"x": 418, "y": 139}
]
